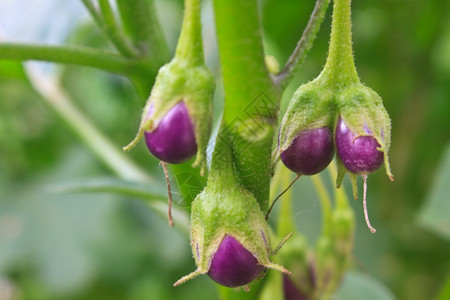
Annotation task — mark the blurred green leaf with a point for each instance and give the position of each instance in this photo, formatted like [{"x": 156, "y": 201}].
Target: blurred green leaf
[
  {"x": 12, "y": 69},
  {"x": 114, "y": 186},
  {"x": 445, "y": 294},
  {"x": 357, "y": 286},
  {"x": 154, "y": 195},
  {"x": 435, "y": 214}
]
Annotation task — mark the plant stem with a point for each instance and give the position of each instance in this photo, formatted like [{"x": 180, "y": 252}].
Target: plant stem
[
  {"x": 110, "y": 27},
  {"x": 76, "y": 55},
  {"x": 190, "y": 45},
  {"x": 340, "y": 68},
  {"x": 111, "y": 155},
  {"x": 304, "y": 45},
  {"x": 141, "y": 22},
  {"x": 251, "y": 98},
  {"x": 93, "y": 11}
]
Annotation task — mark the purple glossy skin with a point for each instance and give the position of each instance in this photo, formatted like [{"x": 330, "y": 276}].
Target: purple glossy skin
[
  {"x": 173, "y": 141},
  {"x": 359, "y": 155},
  {"x": 233, "y": 265},
  {"x": 310, "y": 152}
]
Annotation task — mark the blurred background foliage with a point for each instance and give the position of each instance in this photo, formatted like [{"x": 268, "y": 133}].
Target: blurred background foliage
[{"x": 105, "y": 246}]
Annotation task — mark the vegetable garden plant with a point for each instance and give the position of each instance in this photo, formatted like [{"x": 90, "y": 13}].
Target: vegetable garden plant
[{"x": 233, "y": 239}]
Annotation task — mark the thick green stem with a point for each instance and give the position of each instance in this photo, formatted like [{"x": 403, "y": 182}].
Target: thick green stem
[
  {"x": 190, "y": 45},
  {"x": 222, "y": 164},
  {"x": 75, "y": 55},
  {"x": 251, "y": 98},
  {"x": 304, "y": 44},
  {"x": 340, "y": 68}
]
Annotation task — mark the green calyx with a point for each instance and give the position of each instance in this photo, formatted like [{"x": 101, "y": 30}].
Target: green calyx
[
  {"x": 311, "y": 107},
  {"x": 186, "y": 78},
  {"x": 223, "y": 208},
  {"x": 195, "y": 86},
  {"x": 359, "y": 106},
  {"x": 227, "y": 210},
  {"x": 363, "y": 112},
  {"x": 338, "y": 92}
]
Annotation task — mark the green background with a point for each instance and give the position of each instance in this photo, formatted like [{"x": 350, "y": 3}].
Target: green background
[{"x": 104, "y": 246}]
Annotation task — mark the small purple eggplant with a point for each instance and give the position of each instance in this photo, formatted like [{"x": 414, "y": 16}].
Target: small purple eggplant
[
  {"x": 305, "y": 140},
  {"x": 230, "y": 237},
  {"x": 173, "y": 140},
  {"x": 359, "y": 154},
  {"x": 311, "y": 151},
  {"x": 233, "y": 265}
]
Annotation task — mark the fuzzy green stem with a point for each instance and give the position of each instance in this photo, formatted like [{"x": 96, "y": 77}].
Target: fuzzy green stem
[
  {"x": 340, "y": 68},
  {"x": 112, "y": 30},
  {"x": 190, "y": 45},
  {"x": 304, "y": 44},
  {"x": 251, "y": 98},
  {"x": 222, "y": 165},
  {"x": 76, "y": 55}
]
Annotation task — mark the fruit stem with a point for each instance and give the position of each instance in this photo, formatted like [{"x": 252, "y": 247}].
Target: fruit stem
[
  {"x": 366, "y": 215},
  {"x": 339, "y": 70},
  {"x": 190, "y": 45},
  {"x": 281, "y": 194},
  {"x": 169, "y": 193}
]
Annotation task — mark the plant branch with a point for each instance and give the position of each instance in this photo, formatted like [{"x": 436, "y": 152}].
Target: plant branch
[
  {"x": 154, "y": 198},
  {"x": 304, "y": 45},
  {"x": 112, "y": 30},
  {"x": 100, "y": 145},
  {"x": 93, "y": 11},
  {"x": 251, "y": 98},
  {"x": 75, "y": 55},
  {"x": 142, "y": 23},
  {"x": 107, "y": 23}
]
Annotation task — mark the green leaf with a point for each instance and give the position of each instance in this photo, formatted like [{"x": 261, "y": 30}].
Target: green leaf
[
  {"x": 154, "y": 195},
  {"x": 435, "y": 214},
  {"x": 358, "y": 286},
  {"x": 114, "y": 186}
]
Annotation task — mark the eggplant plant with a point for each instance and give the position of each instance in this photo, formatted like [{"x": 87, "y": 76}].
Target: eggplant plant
[{"x": 231, "y": 239}]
